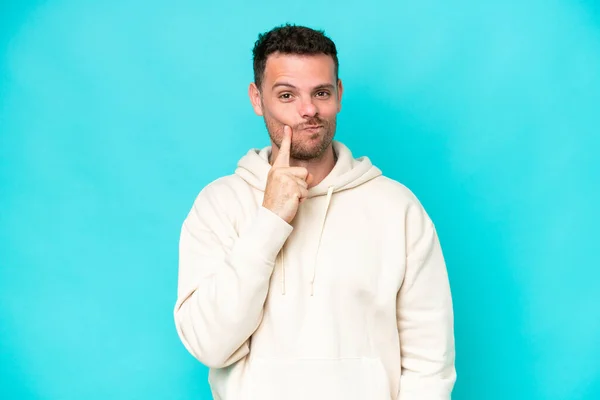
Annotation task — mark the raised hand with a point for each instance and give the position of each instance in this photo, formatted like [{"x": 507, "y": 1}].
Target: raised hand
[{"x": 286, "y": 186}]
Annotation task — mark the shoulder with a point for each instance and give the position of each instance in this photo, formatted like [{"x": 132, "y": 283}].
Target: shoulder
[
  {"x": 225, "y": 188},
  {"x": 219, "y": 207},
  {"x": 388, "y": 188},
  {"x": 399, "y": 200},
  {"x": 220, "y": 198}
]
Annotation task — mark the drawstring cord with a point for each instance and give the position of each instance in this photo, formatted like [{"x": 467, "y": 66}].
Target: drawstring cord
[
  {"x": 314, "y": 273},
  {"x": 314, "y": 270},
  {"x": 282, "y": 272}
]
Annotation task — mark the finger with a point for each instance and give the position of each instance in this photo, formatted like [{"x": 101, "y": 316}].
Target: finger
[
  {"x": 300, "y": 182},
  {"x": 283, "y": 157},
  {"x": 299, "y": 172},
  {"x": 302, "y": 193}
]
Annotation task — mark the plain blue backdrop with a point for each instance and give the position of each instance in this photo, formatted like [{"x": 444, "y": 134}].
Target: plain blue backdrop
[{"x": 115, "y": 114}]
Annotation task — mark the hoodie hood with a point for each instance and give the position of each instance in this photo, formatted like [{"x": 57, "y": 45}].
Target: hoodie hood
[{"x": 348, "y": 172}]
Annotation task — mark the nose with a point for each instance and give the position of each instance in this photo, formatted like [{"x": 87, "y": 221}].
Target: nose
[{"x": 307, "y": 108}]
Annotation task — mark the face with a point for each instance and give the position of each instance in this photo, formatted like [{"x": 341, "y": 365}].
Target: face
[{"x": 303, "y": 93}]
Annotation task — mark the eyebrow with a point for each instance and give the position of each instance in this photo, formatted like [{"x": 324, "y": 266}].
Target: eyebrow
[{"x": 321, "y": 86}]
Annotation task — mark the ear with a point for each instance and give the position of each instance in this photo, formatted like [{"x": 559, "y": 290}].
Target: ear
[
  {"x": 340, "y": 91},
  {"x": 254, "y": 95}
]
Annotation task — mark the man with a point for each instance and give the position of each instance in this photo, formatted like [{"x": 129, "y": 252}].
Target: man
[{"x": 307, "y": 274}]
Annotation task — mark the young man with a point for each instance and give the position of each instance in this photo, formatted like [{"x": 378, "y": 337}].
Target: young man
[{"x": 307, "y": 274}]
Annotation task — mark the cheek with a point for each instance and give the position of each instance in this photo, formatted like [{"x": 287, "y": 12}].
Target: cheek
[
  {"x": 329, "y": 110},
  {"x": 328, "y": 106},
  {"x": 280, "y": 113},
  {"x": 274, "y": 123}
]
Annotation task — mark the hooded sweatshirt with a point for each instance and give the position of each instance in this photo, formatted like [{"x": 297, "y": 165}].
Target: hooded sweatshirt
[{"x": 349, "y": 301}]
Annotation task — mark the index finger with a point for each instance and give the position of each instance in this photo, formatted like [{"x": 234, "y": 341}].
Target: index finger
[{"x": 283, "y": 157}]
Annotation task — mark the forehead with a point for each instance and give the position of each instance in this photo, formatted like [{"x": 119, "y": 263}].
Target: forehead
[{"x": 299, "y": 70}]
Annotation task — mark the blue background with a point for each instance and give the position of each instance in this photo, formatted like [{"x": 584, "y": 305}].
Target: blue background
[{"x": 114, "y": 114}]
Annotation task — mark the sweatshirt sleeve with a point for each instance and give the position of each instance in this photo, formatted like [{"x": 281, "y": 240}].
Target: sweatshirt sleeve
[
  {"x": 224, "y": 279},
  {"x": 425, "y": 316}
]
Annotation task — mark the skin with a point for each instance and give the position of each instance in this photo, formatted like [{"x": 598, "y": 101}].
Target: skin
[{"x": 299, "y": 100}]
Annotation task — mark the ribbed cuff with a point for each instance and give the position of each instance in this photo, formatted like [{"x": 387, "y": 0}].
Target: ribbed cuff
[{"x": 265, "y": 236}]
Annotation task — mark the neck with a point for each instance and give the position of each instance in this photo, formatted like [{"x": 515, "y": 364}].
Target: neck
[{"x": 319, "y": 168}]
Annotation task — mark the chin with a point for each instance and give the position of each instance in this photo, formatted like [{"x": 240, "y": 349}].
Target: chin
[{"x": 307, "y": 153}]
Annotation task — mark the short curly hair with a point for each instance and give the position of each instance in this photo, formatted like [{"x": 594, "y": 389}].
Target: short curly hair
[{"x": 291, "y": 39}]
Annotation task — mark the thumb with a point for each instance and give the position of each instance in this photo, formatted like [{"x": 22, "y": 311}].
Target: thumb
[{"x": 309, "y": 178}]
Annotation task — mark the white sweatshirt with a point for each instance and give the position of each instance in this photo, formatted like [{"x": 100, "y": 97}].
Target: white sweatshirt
[{"x": 350, "y": 301}]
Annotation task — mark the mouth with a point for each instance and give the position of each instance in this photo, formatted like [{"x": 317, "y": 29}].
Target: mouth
[{"x": 313, "y": 128}]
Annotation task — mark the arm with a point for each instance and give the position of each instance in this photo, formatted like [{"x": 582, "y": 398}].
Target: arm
[
  {"x": 425, "y": 316},
  {"x": 224, "y": 279}
]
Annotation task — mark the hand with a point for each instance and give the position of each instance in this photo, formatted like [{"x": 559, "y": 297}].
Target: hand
[{"x": 287, "y": 186}]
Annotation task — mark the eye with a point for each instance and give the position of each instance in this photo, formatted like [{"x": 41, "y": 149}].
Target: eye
[
  {"x": 323, "y": 94},
  {"x": 285, "y": 96}
]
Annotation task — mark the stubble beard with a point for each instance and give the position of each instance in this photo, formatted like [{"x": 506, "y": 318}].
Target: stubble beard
[{"x": 300, "y": 150}]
